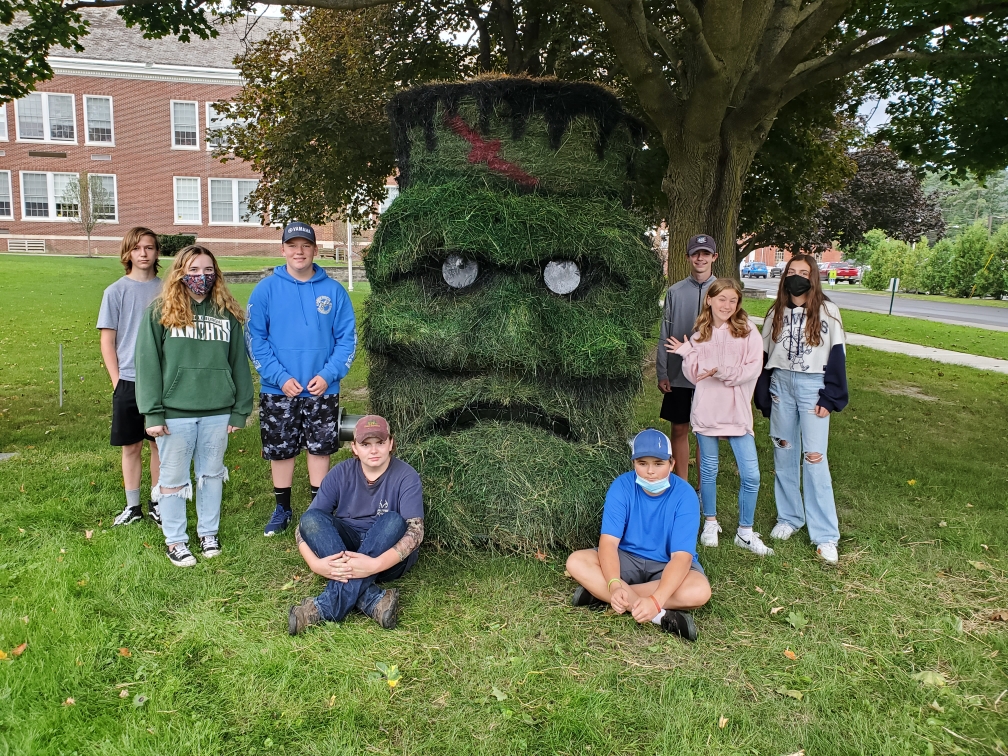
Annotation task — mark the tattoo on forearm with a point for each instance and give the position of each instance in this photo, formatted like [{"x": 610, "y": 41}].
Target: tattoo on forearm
[{"x": 411, "y": 539}]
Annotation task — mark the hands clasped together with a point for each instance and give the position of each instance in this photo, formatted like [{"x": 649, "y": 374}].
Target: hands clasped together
[
  {"x": 344, "y": 566},
  {"x": 642, "y": 608},
  {"x": 316, "y": 386}
]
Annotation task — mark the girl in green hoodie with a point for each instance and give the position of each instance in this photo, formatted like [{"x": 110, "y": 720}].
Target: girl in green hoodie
[{"x": 194, "y": 387}]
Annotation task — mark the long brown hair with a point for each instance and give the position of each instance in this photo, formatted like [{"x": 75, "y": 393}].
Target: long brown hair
[
  {"x": 175, "y": 304},
  {"x": 129, "y": 242},
  {"x": 738, "y": 323},
  {"x": 813, "y": 302}
]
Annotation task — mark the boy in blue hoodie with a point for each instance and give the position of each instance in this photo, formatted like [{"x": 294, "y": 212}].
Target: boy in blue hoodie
[{"x": 302, "y": 340}]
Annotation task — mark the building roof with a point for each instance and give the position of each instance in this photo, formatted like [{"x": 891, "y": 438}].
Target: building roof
[{"x": 111, "y": 40}]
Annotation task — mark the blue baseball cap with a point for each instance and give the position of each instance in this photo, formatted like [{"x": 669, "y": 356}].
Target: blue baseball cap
[
  {"x": 651, "y": 443},
  {"x": 296, "y": 230}
]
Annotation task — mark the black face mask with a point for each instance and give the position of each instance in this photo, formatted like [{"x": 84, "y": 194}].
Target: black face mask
[{"x": 796, "y": 285}]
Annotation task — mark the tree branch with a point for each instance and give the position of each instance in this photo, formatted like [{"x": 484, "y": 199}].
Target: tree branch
[
  {"x": 663, "y": 42},
  {"x": 331, "y": 4},
  {"x": 845, "y": 60},
  {"x": 691, "y": 16}
]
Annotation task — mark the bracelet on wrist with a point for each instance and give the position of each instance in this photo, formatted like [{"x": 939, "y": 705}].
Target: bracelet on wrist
[
  {"x": 614, "y": 580},
  {"x": 657, "y": 605}
]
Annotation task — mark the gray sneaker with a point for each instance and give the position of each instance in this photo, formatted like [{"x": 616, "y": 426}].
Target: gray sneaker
[
  {"x": 303, "y": 616},
  {"x": 386, "y": 611}
]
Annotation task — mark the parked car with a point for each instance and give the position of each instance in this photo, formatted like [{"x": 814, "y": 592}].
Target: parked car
[
  {"x": 755, "y": 270},
  {"x": 845, "y": 272},
  {"x": 777, "y": 270}
]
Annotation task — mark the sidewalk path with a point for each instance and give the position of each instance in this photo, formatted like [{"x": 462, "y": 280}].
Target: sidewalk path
[{"x": 928, "y": 353}]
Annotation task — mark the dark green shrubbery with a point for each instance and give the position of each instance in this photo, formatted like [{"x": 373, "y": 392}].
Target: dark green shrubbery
[{"x": 172, "y": 243}]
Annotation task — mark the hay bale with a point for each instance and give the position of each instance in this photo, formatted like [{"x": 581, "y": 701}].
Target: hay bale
[{"x": 512, "y": 401}]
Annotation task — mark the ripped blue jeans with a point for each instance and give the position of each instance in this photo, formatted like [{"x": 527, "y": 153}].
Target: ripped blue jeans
[{"x": 202, "y": 441}]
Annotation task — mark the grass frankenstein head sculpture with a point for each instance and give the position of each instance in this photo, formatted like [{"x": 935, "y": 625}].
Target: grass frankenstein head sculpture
[{"x": 513, "y": 297}]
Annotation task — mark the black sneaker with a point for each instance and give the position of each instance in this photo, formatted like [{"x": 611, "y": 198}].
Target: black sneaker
[
  {"x": 210, "y": 546},
  {"x": 679, "y": 623},
  {"x": 386, "y": 611},
  {"x": 583, "y": 597},
  {"x": 302, "y": 616},
  {"x": 128, "y": 515},
  {"x": 180, "y": 556},
  {"x": 154, "y": 510}
]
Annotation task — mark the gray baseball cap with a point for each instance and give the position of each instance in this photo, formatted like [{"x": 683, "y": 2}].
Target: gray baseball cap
[{"x": 699, "y": 242}]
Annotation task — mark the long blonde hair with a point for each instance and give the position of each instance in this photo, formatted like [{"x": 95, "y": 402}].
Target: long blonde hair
[
  {"x": 738, "y": 323},
  {"x": 175, "y": 304}
]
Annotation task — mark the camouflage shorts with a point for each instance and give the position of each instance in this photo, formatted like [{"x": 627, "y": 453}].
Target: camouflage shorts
[{"x": 288, "y": 425}]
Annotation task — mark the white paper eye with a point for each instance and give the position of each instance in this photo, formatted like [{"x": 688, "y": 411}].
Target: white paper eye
[
  {"x": 458, "y": 272},
  {"x": 562, "y": 277}
]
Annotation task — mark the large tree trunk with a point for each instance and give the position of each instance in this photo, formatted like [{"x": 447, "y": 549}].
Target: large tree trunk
[{"x": 704, "y": 184}]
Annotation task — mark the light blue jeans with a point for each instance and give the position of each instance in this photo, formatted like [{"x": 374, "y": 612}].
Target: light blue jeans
[
  {"x": 203, "y": 440},
  {"x": 800, "y": 439},
  {"x": 744, "y": 449}
]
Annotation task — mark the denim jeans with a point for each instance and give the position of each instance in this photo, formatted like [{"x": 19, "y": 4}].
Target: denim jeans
[
  {"x": 327, "y": 535},
  {"x": 797, "y": 434},
  {"x": 744, "y": 449},
  {"x": 205, "y": 440}
]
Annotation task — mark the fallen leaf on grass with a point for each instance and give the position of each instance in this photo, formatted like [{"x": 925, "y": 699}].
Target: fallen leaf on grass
[
  {"x": 139, "y": 700},
  {"x": 25, "y": 619},
  {"x": 759, "y": 590},
  {"x": 21, "y": 530},
  {"x": 798, "y": 753},
  {"x": 3, "y": 654},
  {"x": 88, "y": 534},
  {"x": 775, "y": 610},
  {"x": 124, "y": 693},
  {"x": 943, "y": 524},
  {"x": 82, "y": 583},
  {"x": 125, "y": 652},
  {"x": 930, "y": 678},
  {"x": 69, "y": 702},
  {"x": 797, "y": 695},
  {"x": 19, "y": 649},
  {"x": 499, "y": 694},
  {"x": 911, "y": 482},
  {"x": 146, "y": 545},
  {"x": 937, "y": 707},
  {"x": 790, "y": 654},
  {"x": 985, "y": 547},
  {"x": 722, "y": 722},
  {"x": 981, "y": 565},
  {"x": 540, "y": 555},
  {"x": 1001, "y": 615},
  {"x": 797, "y": 620},
  {"x": 391, "y": 672},
  {"x": 287, "y": 586},
  {"x": 332, "y": 700}
]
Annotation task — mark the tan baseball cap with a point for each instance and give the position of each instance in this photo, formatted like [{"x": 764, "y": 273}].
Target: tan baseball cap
[{"x": 371, "y": 426}]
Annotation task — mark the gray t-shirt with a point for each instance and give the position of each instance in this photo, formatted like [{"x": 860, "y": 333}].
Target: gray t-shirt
[{"x": 122, "y": 309}]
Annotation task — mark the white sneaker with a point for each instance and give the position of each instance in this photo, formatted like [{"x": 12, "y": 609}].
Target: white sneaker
[
  {"x": 782, "y": 531},
  {"x": 708, "y": 537},
  {"x": 827, "y": 552},
  {"x": 754, "y": 544}
]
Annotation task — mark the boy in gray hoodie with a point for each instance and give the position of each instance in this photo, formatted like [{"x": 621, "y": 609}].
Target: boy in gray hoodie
[{"x": 682, "y": 306}]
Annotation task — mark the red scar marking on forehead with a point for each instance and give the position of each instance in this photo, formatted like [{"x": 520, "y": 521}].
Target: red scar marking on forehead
[{"x": 484, "y": 151}]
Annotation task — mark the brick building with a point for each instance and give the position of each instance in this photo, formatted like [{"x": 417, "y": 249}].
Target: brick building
[{"x": 138, "y": 116}]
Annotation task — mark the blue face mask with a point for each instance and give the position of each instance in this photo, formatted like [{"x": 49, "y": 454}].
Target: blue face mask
[{"x": 655, "y": 487}]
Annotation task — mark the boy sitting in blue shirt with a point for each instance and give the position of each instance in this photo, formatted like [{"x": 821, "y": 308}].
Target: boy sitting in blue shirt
[{"x": 646, "y": 560}]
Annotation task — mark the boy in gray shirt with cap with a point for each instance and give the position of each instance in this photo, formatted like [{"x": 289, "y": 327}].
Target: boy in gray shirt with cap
[
  {"x": 682, "y": 306},
  {"x": 122, "y": 309}
]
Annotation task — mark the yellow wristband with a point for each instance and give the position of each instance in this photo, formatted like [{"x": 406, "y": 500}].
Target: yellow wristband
[{"x": 609, "y": 584}]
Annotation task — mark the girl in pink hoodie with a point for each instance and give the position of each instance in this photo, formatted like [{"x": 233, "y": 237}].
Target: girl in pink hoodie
[{"x": 724, "y": 358}]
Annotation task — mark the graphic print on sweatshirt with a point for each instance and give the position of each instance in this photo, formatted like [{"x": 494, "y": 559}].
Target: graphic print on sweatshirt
[
  {"x": 205, "y": 328},
  {"x": 793, "y": 339}
]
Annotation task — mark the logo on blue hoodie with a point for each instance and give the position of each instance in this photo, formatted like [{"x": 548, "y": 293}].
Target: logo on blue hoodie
[{"x": 324, "y": 304}]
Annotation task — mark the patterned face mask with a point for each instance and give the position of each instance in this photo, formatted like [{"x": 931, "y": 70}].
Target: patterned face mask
[{"x": 199, "y": 284}]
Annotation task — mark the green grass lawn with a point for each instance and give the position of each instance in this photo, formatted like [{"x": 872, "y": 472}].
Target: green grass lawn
[
  {"x": 858, "y": 289},
  {"x": 956, "y": 338},
  {"x": 493, "y": 660}
]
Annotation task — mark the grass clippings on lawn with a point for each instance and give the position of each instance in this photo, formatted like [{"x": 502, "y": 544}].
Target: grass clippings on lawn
[{"x": 492, "y": 659}]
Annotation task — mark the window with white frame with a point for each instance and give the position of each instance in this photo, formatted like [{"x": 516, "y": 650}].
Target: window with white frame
[
  {"x": 188, "y": 209},
  {"x": 185, "y": 125},
  {"x": 104, "y": 202},
  {"x": 48, "y": 196},
  {"x": 3, "y": 122},
  {"x": 98, "y": 120},
  {"x": 6, "y": 204},
  {"x": 393, "y": 192},
  {"x": 46, "y": 117},
  {"x": 779, "y": 255},
  {"x": 229, "y": 202},
  {"x": 215, "y": 124}
]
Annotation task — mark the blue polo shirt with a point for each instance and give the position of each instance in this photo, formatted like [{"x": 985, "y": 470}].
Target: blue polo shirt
[{"x": 653, "y": 527}]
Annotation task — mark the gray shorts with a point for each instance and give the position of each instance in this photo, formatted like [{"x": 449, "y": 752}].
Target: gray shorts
[{"x": 635, "y": 570}]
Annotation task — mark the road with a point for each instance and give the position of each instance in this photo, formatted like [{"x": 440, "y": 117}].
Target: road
[{"x": 983, "y": 316}]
